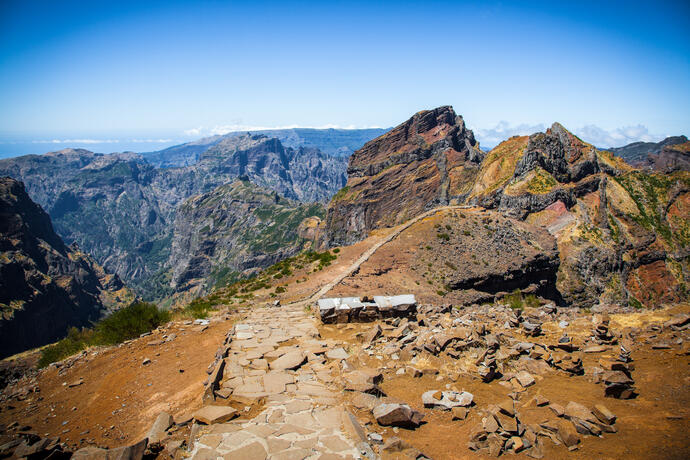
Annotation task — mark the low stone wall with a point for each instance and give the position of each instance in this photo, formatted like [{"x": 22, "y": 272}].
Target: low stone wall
[{"x": 354, "y": 309}]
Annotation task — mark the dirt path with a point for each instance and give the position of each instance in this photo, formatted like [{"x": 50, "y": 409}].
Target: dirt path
[{"x": 370, "y": 252}]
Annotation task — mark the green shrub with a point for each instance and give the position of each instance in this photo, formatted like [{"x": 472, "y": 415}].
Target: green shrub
[
  {"x": 124, "y": 324},
  {"x": 76, "y": 341},
  {"x": 514, "y": 300},
  {"x": 130, "y": 322},
  {"x": 633, "y": 302},
  {"x": 199, "y": 308},
  {"x": 532, "y": 301},
  {"x": 336, "y": 250},
  {"x": 443, "y": 236}
]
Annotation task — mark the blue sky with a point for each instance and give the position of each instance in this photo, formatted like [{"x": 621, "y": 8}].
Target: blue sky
[{"x": 162, "y": 72}]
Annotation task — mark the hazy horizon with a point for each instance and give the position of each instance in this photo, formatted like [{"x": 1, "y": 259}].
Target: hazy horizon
[{"x": 142, "y": 77}]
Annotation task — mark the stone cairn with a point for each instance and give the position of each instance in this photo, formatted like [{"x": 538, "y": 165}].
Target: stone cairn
[
  {"x": 601, "y": 333},
  {"x": 618, "y": 374},
  {"x": 488, "y": 368}
]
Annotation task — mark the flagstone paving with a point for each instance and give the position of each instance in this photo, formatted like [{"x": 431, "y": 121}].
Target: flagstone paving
[{"x": 276, "y": 366}]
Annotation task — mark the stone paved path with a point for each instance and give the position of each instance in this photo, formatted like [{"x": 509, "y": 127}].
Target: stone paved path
[
  {"x": 278, "y": 366},
  {"x": 277, "y": 363}
]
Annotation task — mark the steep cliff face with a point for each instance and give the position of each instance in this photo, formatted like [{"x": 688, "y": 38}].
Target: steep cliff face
[
  {"x": 427, "y": 161},
  {"x": 238, "y": 227},
  {"x": 121, "y": 210},
  {"x": 611, "y": 222},
  {"x": 45, "y": 286}
]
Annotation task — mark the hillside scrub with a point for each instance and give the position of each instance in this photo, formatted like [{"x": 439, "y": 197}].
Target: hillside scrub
[{"x": 124, "y": 324}]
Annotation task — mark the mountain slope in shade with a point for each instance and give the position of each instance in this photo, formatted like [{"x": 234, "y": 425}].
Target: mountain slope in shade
[
  {"x": 46, "y": 287},
  {"x": 644, "y": 154},
  {"x": 427, "y": 161}
]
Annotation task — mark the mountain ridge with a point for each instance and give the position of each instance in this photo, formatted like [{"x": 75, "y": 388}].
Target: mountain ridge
[{"x": 46, "y": 287}]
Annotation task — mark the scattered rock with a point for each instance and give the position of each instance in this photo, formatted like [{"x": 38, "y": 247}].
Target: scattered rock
[
  {"x": 215, "y": 414},
  {"x": 446, "y": 400},
  {"x": 158, "y": 431},
  {"x": 337, "y": 353},
  {"x": 401, "y": 415},
  {"x": 525, "y": 379}
]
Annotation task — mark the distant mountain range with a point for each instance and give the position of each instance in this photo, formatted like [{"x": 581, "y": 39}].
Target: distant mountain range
[
  {"x": 121, "y": 209},
  {"x": 666, "y": 156},
  {"x": 334, "y": 142}
]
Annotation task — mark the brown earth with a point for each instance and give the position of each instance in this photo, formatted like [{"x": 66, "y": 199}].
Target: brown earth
[
  {"x": 653, "y": 425},
  {"x": 120, "y": 397}
]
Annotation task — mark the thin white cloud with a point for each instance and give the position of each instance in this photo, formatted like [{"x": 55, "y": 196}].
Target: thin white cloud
[
  {"x": 491, "y": 137},
  {"x": 193, "y": 131},
  {"x": 152, "y": 141},
  {"x": 600, "y": 137},
  {"x": 617, "y": 137},
  {"x": 76, "y": 141}
]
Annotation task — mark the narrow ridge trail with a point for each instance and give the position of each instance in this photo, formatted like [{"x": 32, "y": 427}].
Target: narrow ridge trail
[{"x": 370, "y": 252}]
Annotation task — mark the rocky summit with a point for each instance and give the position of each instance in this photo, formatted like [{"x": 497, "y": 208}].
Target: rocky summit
[
  {"x": 618, "y": 230},
  {"x": 46, "y": 287},
  {"x": 427, "y": 161}
]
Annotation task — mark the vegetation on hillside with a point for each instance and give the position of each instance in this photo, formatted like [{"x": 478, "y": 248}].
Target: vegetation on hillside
[{"x": 124, "y": 324}]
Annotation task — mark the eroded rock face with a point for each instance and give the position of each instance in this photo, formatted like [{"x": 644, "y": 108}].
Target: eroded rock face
[
  {"x": 619, "y": 231},
  {"x": 233, "y": 228},
  {"x": 46, "y": 287},
  {"x": 424, "y": 162}
]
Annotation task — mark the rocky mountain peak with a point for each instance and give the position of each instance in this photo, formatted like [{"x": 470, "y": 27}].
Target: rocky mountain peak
[
  {"x": 428, "y": 160},
  {"x": 19, "y": 215},
  {"x": 424, "y": 134}
]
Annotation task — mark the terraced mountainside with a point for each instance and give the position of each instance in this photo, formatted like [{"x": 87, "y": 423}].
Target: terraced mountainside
[
  {"x": 46, "y": 287},
  {"x": 122, "y": 210},
  {"x": 622, "y": 234}
]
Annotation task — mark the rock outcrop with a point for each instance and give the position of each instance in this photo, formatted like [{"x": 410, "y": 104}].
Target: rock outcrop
[
  {"x": 620, "y": 231},
  {"x": 427, "y": 161},
  {"x": 46, "y": 287}
]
